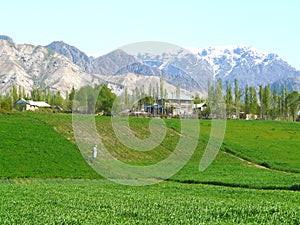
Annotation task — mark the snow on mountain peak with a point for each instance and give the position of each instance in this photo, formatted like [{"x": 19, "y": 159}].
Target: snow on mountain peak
[{"x": 223, "y": 59}]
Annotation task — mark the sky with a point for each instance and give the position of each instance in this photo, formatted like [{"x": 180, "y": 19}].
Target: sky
[{"x": 97, "y": 27}]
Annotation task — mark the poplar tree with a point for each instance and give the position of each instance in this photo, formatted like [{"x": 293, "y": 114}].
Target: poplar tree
[
  {"x": 237, "y": 97},
  {"x": 247, "y": 100},
  {"x": 253, "y": 100},
  {"x": 228, "y": 99},
  {"x": 218, "y": 99},
  {"x": 267, "y": 100},
  {"x": 293, "y": 104},
  {"x": 14, "y": 93},
  {"x": 126, "y": 97},
  {"x": 285, "y": 103},
  {"x": 275, "y": 104},
  {"x": 261, "y": 102}
]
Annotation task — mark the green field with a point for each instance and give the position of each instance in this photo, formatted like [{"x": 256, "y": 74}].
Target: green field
[
  {"x": 45, "y": 180},
  {"x": 101, "y": 202}
]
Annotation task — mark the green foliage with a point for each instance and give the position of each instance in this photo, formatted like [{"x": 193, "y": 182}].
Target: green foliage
[
  {"x": 93, "y": 100},
  {"x": 247, "y": 99},
  {"x": 253, "y": 101},
  {"x": 36, "y": 145},
  {"x": 57, "y": 99},
  {"x": 102, "y": 202},
  {"x": 215, "y": 99},
  {"x": 237, "y": 97},
  {"x": 105, "y": 100},
  {"x": 293, "y": 100},
  {"x": 197, "y": 99},
  {"x": 6, "y": 104},
  {"x": 276, "y": 147},
  {"x": 228, "y": 99},
  {"x": 30, "y": 148},
  {"x": 275, "y": 143}
]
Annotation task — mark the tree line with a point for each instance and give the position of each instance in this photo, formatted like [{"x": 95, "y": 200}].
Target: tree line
[
  {"x": 89, "y": 99},
  {"x": 262, "y": 102}
]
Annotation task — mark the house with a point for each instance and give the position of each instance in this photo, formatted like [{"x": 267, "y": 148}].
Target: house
[
  {"x": 199, "y": 107},
  {"x": 23, "y": 104},
  {"x": 173, "y": 105}
]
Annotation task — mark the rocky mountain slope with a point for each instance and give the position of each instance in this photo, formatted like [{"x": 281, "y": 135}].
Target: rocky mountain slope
[
  {"x": 118, "y": 62},
  {"x": 31, "y": 66},
  {"x": 193, "y": 67},
  {"x": 131, "y": 81},
  {"x": 59, "y": 66},
  {"x": 6, "y": 38},
  {"x": 74, "y": 54},
  {"x": 247, "y": 64}
]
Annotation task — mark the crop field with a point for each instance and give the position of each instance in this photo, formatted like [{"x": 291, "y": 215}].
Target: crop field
[
  {"x": 255, "y": 178},
  {"x": 101, "y": 202}
]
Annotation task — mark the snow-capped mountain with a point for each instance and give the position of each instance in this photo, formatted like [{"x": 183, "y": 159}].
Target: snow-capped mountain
[
  {"x": 244, "y": 63},
  {"x": 191, "y": 68},
  {"x": 223, "y": 59}
]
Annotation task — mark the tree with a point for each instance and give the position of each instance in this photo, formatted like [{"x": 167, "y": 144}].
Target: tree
[
  {"x": 247, "y": 100},
  {"x": 237, "y": 97},
  {"x": 253, "y": 100},
  {"x": 228, "y": 99},
  {"x": 261, "y": 101},
  {"x": 48, "y": 96},
  {"x": 20, "y": 92},
  {"x": 105, "y": 100},
  {"x": 218, "y": 100},
  {"x": 197, "y": 99},
  {"x": 6, "y": 104},
  {"x": 14, "y": 93},
  {"x": 57, "y": 99},
  {"x": 210, "y": 97},
  {"x": 126, "y": 98},
  {"x": 86, "y": 99},
  {"x": 285, "y": 104},
  {"x": 267, "y": 101},
  {"x": 293, "y": 104},
  {"x": 275, "y": 104},
  {"x": 72, "y": 94}
]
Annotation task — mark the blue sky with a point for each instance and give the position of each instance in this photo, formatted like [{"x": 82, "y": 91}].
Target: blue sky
[{"x": 100, "y": 26}]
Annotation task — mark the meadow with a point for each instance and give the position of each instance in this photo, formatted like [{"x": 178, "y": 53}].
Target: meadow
[
  {"x": 102, "y": 202},
  {"x": 45, "y": 180}
]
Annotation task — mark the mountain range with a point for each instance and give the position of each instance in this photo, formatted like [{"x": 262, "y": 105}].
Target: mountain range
[{"x": 60, "y": 66}]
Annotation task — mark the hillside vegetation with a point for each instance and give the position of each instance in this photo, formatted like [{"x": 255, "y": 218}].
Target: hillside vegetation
[
  {"x": 102, "y": 202},
  {"x": 43, "y": 146},
  {"x": 39, "y": 161},
  {"x": 30, "y": 148}
]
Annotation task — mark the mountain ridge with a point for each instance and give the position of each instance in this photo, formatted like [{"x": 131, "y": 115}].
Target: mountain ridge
[{"x": 66, "y": 65}]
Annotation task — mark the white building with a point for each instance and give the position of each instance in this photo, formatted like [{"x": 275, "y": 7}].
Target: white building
[{"x": 23, "y": 104}]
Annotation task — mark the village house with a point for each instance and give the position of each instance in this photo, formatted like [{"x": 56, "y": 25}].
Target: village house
[
  {"x": 173, "y": 106},
  {"x": 23, "y": 105}
]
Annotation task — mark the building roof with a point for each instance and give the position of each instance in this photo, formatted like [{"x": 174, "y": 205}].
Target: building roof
[
  {"x": 33, "y": 103},
  {"x": 200, "y": 105},
  {"x": 38, "y": 104}
]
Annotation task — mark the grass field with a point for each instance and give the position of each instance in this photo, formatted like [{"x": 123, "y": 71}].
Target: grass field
[
  {"x": 101, "y": 202},
  {"x": 30, "y": 148},
  {"x": 40, "y": 165}
]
